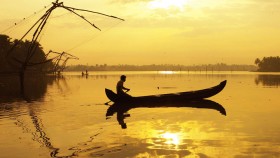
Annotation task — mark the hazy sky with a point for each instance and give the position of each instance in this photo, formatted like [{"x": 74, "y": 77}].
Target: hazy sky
[{"x": 154, "y": 31}]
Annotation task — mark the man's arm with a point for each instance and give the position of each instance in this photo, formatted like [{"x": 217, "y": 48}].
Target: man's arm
[{"x": 125, "y": 88}]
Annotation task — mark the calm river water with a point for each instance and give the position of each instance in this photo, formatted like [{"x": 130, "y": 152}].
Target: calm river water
[{"x": 66, "y": 117}]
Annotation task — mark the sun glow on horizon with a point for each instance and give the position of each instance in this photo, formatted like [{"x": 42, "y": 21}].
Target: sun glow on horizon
[{"x": 166, "y": 4}]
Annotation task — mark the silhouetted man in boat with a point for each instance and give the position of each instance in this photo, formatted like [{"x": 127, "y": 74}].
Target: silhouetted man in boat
[{"x": 120, "y": 87}]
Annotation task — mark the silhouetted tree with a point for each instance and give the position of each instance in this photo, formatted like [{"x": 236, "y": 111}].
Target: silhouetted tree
[
  {"x": 5, "y": 44},
  {"x": 13, "y": 62},
  {"x": 268, "y": 64},
  {"x": 257, "y": 61}
]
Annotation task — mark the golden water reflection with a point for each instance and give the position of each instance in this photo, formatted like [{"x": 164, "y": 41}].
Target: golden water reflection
[
  {"x": 183, "y": 136},
  {"x": 165, "y": 140},
  {"x": 171, "y": 138},
  {"x": 65, "y": 118},
  {"x": 167, "y": 72}
]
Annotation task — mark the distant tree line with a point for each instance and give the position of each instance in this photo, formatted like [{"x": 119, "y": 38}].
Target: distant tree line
[
  {"x": 163, "y": 67},
  {"x": 12, "y": 62},
  {"x": 268, "y": 64}
]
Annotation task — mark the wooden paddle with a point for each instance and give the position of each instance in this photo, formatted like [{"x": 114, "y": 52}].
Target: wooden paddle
[{"x": 107, "y": 103}]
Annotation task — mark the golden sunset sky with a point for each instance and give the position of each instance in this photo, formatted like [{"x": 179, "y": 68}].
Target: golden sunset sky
[{"x": 154, "y": 31}]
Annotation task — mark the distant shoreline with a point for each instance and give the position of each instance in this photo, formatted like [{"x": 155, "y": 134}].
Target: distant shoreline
[{"x": 166, "y": 67}]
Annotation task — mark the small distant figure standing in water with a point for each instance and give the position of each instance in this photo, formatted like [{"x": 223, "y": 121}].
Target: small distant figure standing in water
[
  {"x": 86, "y": 72},
  {"x": 83, "y": 73},
  {"x": 120, "y": 86}
]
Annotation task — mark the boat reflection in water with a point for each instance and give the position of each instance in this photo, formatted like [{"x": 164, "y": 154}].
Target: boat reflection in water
[{"x": 122, "y": 108}]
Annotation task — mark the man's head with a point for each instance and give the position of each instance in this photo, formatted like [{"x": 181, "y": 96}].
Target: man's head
[{"x": 123, "y": 77}]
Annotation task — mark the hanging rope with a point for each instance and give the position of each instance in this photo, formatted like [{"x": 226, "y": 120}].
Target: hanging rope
[
  {"x": 58, "y": 16},
  {"x": 24, "y": 20},
  {"x": 41, "y": 23},
  {"x": 92, "y": 38},
  {"x": 111, "y": 16},
  {"x": 43, "y": 32}
]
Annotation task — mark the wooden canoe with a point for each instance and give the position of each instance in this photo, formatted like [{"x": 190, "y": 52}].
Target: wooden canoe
[{"x": 181, "y": 96}]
